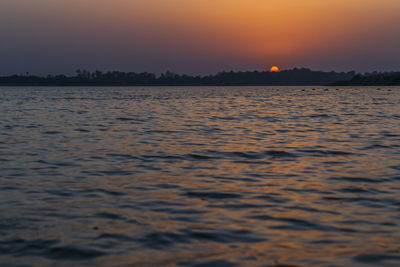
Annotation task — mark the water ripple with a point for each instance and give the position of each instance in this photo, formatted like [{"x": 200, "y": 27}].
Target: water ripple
[{"x": 227, "y": 176}]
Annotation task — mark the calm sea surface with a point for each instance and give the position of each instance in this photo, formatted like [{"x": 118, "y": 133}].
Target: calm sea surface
[{"x": 212, "y": 176}]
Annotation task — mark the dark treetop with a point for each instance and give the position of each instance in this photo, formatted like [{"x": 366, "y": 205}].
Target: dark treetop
[
  {"x": 388, "y": 79},
  {"x": 295, "y": 76}
]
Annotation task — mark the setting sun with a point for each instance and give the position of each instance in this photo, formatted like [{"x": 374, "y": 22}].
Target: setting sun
[{"x": 274, "y": 69}]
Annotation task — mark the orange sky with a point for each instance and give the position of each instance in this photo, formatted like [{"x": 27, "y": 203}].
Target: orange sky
[{"x": 191, "y": 36}]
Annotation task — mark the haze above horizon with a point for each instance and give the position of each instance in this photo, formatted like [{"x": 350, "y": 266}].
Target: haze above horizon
[{"x": 198, "y": 37}]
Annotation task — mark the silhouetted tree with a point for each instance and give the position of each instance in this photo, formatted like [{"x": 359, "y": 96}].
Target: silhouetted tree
[{"x": 297, "y": 76}]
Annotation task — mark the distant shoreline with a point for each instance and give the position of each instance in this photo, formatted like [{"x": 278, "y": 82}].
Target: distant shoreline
[
  {"x": 294, "y": 77},
  {"x": 181, "y": 85},
  {"x": 247, "y": 85},
  {"x": 381, "y": 79},
  {"x": 291, "y": 77}
]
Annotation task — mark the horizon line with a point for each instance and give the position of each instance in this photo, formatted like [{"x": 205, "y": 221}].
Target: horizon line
[{"x": 196, "y": 75}]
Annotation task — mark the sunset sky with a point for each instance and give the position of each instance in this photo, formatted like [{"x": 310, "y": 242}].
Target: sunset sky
[{"x": 198, "y": 36}]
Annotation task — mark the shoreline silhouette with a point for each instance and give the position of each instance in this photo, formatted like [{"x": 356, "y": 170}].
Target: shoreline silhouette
[
  {"x": 296, "y": 76},
  {"x": 374, "y": 79},
  {"x": 293, "y": 77}
]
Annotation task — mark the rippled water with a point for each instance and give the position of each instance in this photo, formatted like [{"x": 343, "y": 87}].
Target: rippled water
[{"x": 199, "y": 176}]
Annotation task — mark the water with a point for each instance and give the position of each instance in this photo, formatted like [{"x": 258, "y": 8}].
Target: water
[{"x": 200, "y": 176}]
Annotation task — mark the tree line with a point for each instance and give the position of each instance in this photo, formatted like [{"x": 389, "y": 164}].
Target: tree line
[
  {"x": 372, "y": 79},
  {"x": 296, "y": 76}
]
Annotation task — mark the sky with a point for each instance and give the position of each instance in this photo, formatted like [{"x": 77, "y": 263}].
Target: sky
[{"x": 198, "y": 36}]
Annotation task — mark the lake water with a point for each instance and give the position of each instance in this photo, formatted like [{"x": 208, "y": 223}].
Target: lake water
[{"x": 211, "y": 176}]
